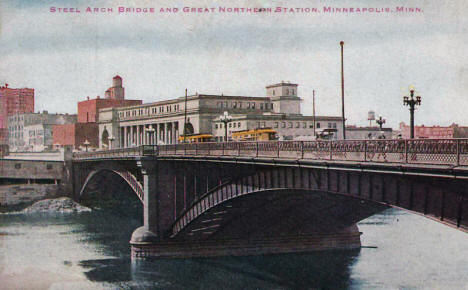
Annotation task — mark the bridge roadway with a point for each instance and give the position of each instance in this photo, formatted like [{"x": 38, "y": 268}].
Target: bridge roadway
[{"x": 239, "y": 198}]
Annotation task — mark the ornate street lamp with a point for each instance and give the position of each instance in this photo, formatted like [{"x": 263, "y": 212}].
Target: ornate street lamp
[
  {"x": 150, "y": 132},
  {"x": 380, "y": 121},
  {"x": 111, "y": 139},
  {"x": 86, "y": 144},
  {"x": 225, "y": 119},
  {"x": 411, "y": 102}
]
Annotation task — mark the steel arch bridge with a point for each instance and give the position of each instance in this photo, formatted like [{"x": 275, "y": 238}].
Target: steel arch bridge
[{"x": 241, "y": 200}]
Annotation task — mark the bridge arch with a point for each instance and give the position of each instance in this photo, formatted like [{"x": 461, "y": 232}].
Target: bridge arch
[
  {"x": 259, "y": 183},
  {"x": 374, "y": 190},
  {"x": 128, "y": 177}
]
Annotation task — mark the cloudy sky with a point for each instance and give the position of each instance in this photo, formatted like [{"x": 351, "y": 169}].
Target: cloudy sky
[{"x": 68, "y": 56}]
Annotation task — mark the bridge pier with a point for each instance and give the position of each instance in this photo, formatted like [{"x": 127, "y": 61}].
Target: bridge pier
[
  {"x": 149, "y": 233},
  {"x": 348, "y": 238}
]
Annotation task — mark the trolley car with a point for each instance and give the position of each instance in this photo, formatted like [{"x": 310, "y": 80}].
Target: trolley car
[
  {"x": 197, "y": 138},
  {"x": 265, "y": 134}
]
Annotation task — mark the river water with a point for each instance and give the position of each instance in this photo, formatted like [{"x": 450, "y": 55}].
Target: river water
[{"x": 91, "y": 251}]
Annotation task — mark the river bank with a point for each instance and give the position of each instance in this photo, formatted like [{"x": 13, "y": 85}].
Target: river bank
[{"x": 17, "y": 197}]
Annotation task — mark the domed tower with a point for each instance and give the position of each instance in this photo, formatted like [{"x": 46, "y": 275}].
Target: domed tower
[{"x": 117, "y": 91}]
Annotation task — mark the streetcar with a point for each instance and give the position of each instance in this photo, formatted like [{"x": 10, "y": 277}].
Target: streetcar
[
  {"x": 196, "y": 138},
  {"x": 265, "y": 134}
]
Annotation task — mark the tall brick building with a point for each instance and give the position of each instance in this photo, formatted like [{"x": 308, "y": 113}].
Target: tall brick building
[
  {"x": 88, "y": 117},
  {"x": 88, "y": 111},
  {"x": 13, "y": 101}
]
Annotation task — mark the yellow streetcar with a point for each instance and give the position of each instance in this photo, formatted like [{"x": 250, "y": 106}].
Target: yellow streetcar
[
  {"x": 265, "y": 134},
  {"x": 198, "y": 138}
]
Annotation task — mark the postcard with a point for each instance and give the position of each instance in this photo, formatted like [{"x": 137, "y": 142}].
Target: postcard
[{"x": 233, "y": 144}]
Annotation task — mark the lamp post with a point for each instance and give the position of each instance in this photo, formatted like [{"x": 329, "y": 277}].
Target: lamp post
[
  {"x": 380, "y": 121},
  {"x": 86, "y": 144},
  {"x": 111, "y": 139},
  {"x": 411, "y": 102},
  {"x": 150, "y": 132},
  {"x": 225, "y": 119}
]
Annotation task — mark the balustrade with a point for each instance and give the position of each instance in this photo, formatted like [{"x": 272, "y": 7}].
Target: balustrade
[{"x": 417, "y": 151}]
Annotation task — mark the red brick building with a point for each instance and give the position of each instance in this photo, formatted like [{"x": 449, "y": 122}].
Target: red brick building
[
  {"x": 76, "y": 135},
  {"x": 13, "y": 101},
  {"x": 88, "y": 111},
  {"x": 434, "y": 132},
  {"x": 88, "y": 116}
]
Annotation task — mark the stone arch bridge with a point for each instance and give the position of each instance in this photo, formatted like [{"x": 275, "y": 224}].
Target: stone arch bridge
[{"x": 241, "y": 198}]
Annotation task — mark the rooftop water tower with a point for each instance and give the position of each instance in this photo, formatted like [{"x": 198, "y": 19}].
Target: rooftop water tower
[{"x": 371, "y": 117}]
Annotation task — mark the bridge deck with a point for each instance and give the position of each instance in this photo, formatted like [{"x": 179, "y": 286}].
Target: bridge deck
[{"x": 443, "y": 153}]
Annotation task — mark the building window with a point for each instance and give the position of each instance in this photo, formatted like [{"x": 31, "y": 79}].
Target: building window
[
  {"x": 216, "y": 126},
  {"x": 49, "y": 166},
  {"x": 287, "y": 91},
  {"x": 283, "y": 125},
  {"x": 248, "y": 105},
  {"x": 234, "y": 105},
  {"x": 329, "y": 125},
  {"x": 334, "y": 125},
  {"x": 240, "y": 104},
  {"x": 273, "y": 92},
  {"x": 304, "y": 125},
  {"x": 230, "y": 125},
  {"x": 261, "y": 106},
  {"x": 318, "y": 125},
  {"x": 298, "y": 125},
  {"x": 234, "y": 125},
  {"x": 290, "y": 125},
  {"x": 276, "y": 124},
  {"x": 253, "y": 105},
  {"x": 220, "y": 104},
  {"x": 18, "y": 166},
  {"x": 238, "y": 124}
]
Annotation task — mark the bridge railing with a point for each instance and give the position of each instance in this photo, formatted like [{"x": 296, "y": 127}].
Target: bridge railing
[{"x": 417, "y": 151}]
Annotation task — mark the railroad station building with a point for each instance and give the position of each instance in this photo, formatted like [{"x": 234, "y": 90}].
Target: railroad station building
[{"x": 163, "y": 122}]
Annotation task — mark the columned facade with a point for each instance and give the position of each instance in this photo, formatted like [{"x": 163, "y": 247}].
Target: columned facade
[
  {"x": 163, "y": 122},
  {"x": 149, "y": 134}
]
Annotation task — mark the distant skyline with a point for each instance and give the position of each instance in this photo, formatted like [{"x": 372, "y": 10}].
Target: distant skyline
[{"x": 66, "y": 57}]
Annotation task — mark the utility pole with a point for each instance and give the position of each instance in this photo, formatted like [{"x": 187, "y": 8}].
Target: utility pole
[
  {"x": 185, "y": 115},
  {"x": 342, "y": 91}
]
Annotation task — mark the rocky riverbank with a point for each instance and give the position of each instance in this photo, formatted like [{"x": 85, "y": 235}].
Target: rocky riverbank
[{"x": 56, "y": 205}]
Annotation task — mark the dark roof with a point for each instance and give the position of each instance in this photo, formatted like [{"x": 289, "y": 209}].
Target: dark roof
[{"x": 281, "y": 84}]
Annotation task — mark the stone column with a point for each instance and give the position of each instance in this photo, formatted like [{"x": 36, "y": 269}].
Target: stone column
[
  {"x": 166, "y": 127},
  {"x": 132, "y": 142},
  {"x": 138, "y": 143},
  {"x": 125, "y": 138},
  {"x": 174, "y": 133}
]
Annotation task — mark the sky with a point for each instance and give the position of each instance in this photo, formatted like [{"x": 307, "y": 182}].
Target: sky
[{"x": 66, "y": 57}]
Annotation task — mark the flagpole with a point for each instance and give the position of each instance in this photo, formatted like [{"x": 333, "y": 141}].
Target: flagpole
[{"x": 313, "y": 111}]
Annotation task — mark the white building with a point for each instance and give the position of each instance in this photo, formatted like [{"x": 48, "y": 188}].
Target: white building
[{"x": 163, "y": 122}]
